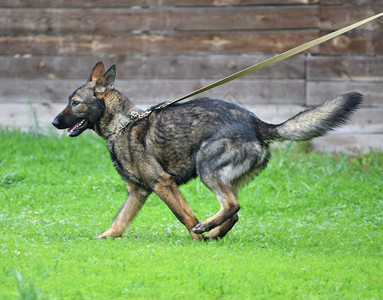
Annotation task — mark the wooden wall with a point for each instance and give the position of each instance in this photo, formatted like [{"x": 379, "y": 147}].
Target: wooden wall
[{"x": 164, "y": 49}]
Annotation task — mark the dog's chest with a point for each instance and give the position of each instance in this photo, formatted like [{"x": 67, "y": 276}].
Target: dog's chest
[{"x": 122, "y": 160}]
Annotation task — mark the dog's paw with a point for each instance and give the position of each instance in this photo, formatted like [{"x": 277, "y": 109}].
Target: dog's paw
[
  {"x": 102, "y": 236},
  {"x": 108, "y": 233},
  {"x": 199, "y": 228}
]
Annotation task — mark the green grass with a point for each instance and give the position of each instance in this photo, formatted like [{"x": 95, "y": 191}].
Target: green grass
[{"x": 311, "y": 227}]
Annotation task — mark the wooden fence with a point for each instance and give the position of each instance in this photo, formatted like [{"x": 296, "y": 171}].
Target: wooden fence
[{"x": 166, "y": 48}]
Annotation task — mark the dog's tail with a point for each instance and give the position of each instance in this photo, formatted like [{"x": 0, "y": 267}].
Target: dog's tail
[{"x": 316, "y": 121}]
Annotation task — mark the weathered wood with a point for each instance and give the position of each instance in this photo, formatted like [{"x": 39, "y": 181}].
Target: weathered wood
[
  {"x": 171, "y": 43},
  {"x": 123, "y": 20},
  {"x": 36, "y": 91},
  {"x": 336, "y": 17},
  {"x": 354, "y": 42},
  {"x": 144, "y": 3},
  {"x": 317, "y": 92},
  {"x": 364, "y": 120},
  {"x": 149, "y": 67},
  {"x": 350, "y": 2},
  {"x": 345, "y": 68},
  {"x": 36, "y": 117},
  {"x": 271, "y": 113},
  {"x": 353, "y": 143},
  {"x": 154, "y": 91}
]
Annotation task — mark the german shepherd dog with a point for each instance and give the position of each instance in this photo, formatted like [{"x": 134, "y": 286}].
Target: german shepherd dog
[{"x": 222, "y": 143}]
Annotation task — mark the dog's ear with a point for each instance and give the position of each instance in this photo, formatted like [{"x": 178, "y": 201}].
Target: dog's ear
[
  {"x": 97, "y": 71},
  {"x": 106, "y": 81}
]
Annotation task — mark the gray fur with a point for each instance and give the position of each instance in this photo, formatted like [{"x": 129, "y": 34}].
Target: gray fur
[{"x": 319, "y": 120}]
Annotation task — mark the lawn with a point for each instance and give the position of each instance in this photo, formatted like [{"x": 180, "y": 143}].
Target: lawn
[{"x": 311, "y": 227}]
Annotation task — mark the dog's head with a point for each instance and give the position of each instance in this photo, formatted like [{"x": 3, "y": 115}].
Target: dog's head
[{"x": 86, "y": 104}]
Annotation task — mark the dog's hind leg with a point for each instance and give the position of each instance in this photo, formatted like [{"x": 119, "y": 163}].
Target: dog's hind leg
[
  {"x": 221, "y": 165},
  {"x": 229, "y": 208},
  {"x": 167, "y": 190},
  {"x": 134, "y": 200}
]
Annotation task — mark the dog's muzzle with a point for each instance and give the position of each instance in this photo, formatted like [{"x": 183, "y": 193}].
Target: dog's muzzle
[{"x": 58, "y": 124}]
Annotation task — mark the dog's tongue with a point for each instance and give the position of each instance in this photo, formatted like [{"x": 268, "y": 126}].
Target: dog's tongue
[{"x": 70, "y": 130}]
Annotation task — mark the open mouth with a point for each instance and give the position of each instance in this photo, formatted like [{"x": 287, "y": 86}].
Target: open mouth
[{"x": 78, "y": 128}]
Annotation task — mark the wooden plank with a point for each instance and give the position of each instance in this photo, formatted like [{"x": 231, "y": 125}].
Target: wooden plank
[
  {"x": 122, "y": 20},
  {"x": 345, "y": 68},
  {"x": 172, "y": 43},
  {"x": 154, "y": 91},
  {"x": 35, "y": 117},
  {"x": 244, "y": 18},
  {"x": 352, "y": 143},
  {"x": 364, "y": 120},
  {"x": 144, "y": 3},
  {"x": 37, "y": 91},
  {"x": 354, "y": 42},
  {"x": 318, "y": 92},
  {"x": 350, "y": 2},
  {"x": 149, "y": 67},
  {"x": 336, "y": 17},
  {"x": 271, "y": 113}
]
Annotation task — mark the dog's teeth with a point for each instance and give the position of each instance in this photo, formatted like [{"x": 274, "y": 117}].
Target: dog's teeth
[{"x": 82, "y": 122}]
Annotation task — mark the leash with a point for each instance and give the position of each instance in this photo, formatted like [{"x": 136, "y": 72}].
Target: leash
[{"x": 261, "y": 65}]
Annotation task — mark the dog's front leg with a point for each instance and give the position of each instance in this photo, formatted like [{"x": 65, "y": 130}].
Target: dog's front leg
[
  {"x": 167, "y": 190},
  {"x": 134, "y": 200}
]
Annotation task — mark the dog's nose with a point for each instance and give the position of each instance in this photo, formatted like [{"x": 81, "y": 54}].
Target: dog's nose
[{"x": 55, "y": 122}]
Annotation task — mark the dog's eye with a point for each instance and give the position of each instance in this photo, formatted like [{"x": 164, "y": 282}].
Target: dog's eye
[{"x": 75, "y": 103}]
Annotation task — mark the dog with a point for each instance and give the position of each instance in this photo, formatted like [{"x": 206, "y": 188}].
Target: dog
[{"x": 221, "y": 142}]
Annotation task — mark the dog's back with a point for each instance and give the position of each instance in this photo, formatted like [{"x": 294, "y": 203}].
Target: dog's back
[{"x": 205, "y": 133}]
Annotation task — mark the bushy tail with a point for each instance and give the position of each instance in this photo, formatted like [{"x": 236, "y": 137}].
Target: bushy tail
[{"x": 316, "y": 121}]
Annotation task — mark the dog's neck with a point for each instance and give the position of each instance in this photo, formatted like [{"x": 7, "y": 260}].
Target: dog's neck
[{"x": 116, "y": 114}]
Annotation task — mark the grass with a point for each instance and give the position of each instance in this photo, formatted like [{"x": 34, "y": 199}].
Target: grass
[{"x": 311, "y": 227}]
